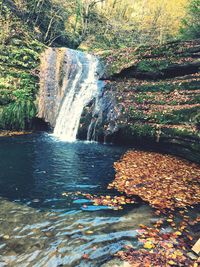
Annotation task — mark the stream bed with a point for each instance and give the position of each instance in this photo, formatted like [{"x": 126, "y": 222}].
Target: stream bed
[{"x": 41, "y": 227}]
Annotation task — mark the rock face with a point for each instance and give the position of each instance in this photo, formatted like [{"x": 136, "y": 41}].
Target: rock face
[
  {"x": 141, "y": 104},
  {"x": 51, "y": 94},
  {"x": 99, "y": 118}
]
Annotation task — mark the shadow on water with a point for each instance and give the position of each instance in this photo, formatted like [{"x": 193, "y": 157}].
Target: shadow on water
[
  {"x": 39, "y": 167},
  {"x": 39, "y": 226}
]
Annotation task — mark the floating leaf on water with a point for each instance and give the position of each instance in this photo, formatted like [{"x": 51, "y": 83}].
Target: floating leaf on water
[
  {"x": 149, "y": 245},
  {"x": 89, "y": 232},
  {"x": 85, "y": 256}
]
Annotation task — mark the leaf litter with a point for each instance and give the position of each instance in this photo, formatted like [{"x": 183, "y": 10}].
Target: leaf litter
[{"x": 171, "y": 186}]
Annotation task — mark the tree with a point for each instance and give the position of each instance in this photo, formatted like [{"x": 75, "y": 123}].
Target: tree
[
  {"x": 191, "y": 24},
  {"x": 118, "y": 24}
]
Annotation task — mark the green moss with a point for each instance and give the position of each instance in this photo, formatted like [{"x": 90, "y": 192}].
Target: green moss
[
  {"x": 136, "y": 115},
  {"x": 176, "y": 116},
  {"x": 175, "y": 133},
  {"x": 147, "y": 58},
  {"x": 142, "y": 98},
  {"x": 142, "y": 130},
  {"x": 168, "y": 86},
  {"x": 153, "y": 65}
]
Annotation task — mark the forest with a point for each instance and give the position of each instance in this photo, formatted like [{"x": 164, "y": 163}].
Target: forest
[
  {"x": 102, "y": 24},
  {"x": 27, "y": 27},
  {"x": 100, "y": 133}
]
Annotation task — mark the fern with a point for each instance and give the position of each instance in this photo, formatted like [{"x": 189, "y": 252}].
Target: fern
[{"x": 18, "y": 115}]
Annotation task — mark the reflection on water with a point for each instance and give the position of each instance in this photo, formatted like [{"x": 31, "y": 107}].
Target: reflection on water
[
  {"x": 39, "y": 167},
  {"x": 32, "y": 238},
  {"x": 40, "y": 227}
]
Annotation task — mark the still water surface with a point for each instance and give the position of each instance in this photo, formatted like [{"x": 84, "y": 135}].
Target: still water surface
[{"x": 39, "y": 226}]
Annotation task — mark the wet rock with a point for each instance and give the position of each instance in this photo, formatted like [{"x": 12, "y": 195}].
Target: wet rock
[
  {"x": 192, "y": 256},
  {"x": 61, "y": 78},
  {"x": 11, "y": 253},
  {"x": 39, "y": 245},
  {"x": 17, "y": 247},
  {"x": 116, "y": 263},
  {"x": 6, "y": 237},
  {"x": 51, "y": 78},
  {"x": 49, "y": 234},
  {"x": 99, "y": 120}
]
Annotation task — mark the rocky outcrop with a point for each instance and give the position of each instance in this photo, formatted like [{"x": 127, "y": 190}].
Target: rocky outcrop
[
  {"x": 162, "y": 113},
  {"x": 51, "y": 93},
  {"x": 99, "y": 118},
  {"x": 157, "y": 62},
  {"x": 170, "y": 71}
]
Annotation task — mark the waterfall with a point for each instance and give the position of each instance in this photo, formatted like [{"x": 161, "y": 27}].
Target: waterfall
[
  {"x": 68, "y": 84},
  {"x": 78, "y": 93},
  {"x": 72, "y": 99}
]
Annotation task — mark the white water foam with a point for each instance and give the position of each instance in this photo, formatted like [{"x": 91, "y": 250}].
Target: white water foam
[{"x": 80, "y": 92}]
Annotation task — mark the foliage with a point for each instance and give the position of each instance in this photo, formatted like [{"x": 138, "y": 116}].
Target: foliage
[
  {"x": 17, "y": 96},
  {"x": 95, "y": 25},
  {"x": 176, "y": 116},
  {"x": 191, "y": 24},
  {"x": 19, "y": 57},
  {"x": 18, "y": 82},
  {"x": 18, "y": 115},
  {"x": 48, "y": 18},
  {"x": 169, "y": 248},
  {"x": 127, "y": 23},
  {"x": 197, "y": 120},
  {"x": 113, "y": 202}
]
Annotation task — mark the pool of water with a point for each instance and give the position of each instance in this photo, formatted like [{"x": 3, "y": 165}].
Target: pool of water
[{"x": 39, "y": 226}]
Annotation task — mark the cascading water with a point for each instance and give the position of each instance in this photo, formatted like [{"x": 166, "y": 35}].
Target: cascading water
[
  {"x": 83, "y": 88},
  {"x": 68, "y": 82}
]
